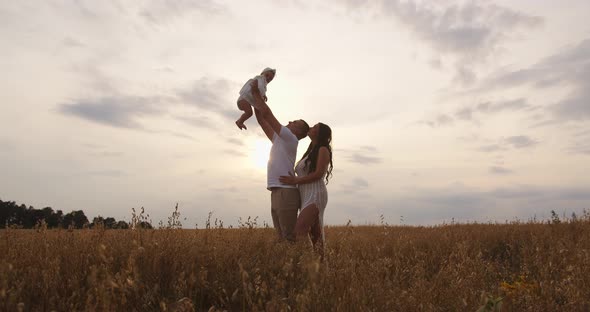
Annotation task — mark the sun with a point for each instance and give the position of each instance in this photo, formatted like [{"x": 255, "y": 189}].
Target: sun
[{"x": 259, "y": 155}]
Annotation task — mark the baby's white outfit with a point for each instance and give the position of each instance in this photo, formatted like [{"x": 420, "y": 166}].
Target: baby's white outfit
[{"x": 246, "y": 91}]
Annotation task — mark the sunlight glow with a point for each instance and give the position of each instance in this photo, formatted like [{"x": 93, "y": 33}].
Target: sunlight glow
[{"x": 260, "y": 153}]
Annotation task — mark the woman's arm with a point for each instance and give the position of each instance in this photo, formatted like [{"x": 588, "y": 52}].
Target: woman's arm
[{"x": 320, "y": 169}]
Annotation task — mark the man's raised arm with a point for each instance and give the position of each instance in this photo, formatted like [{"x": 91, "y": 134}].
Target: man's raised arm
[
  {"x": 264, "y": 125},
  {"x": 264, "y": 111}
]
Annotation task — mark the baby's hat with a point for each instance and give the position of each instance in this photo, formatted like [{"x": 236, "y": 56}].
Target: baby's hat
[{"x": 274, "y": 71}]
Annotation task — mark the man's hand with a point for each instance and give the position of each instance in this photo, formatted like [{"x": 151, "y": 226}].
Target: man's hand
[
  {"x": 254, "y": 86},
  {"x": 289, "y": 180}
]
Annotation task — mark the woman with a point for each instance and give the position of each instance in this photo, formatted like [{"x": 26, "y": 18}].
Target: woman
[{"x": 314, "y": 167}]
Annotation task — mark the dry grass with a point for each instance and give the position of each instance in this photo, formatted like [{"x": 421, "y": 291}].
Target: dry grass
[{"x": 532, "y": 266}]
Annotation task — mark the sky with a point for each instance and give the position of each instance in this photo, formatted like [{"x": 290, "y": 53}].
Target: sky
[{"x": 440, "y": 111}]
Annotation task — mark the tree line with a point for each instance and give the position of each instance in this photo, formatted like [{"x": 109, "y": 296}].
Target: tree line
[{"x": 25, "y": 217}]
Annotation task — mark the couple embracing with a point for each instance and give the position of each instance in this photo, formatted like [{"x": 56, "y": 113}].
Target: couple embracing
[{"x": 300, "y": 188}]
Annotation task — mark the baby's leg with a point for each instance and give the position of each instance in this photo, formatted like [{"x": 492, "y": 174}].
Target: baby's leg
[{"x": 244, "y": 106}]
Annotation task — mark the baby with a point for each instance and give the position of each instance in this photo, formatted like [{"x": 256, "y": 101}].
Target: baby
[{"x": 246, "y": 99}]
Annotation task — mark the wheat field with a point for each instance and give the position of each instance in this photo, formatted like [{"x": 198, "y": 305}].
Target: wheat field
[{"x": 530, "y": 266}]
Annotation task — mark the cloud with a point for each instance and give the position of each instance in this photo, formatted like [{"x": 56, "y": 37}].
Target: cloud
[
  {"x": 72, "y": 43},
  {"x": 94, "y": 78},
  {"x": 464, "y": 75},
  {"x": 364, "y": 155},
  {"x": 204, "y": 95},
  {"x": 107, "y": 173},
  {"x": 363, "y": 159},
  {"x": 369, "y": 148},
  {"x": 469, "y": 113},
  {"x": 491, "y": 148},
  {"x": 161, "y": 11},
  {"x": 434, "y": 205},
  {"x": 470, "y": 31},
  {"x": 198, "y": 121},
  {"x": 512, "y": 105},
  {"x": 234, "y": 153},
  {"x": 504, "y": 144},
  {"x": 440, "y": 120},
  {"x": 298, "y": 4},
  {"x": 229, "y": 189},
  {"x": 235, "y": 141},
  {"x": 516, "y": 192},
  {"x": 464, "y": 114},
  {"x": 569, "y": 68},
  {"x": 582, "y": 133},
  {"x": 357, "y": 184},
  {"x": 457, "y": 199},
  {"x": 360, "y": 182},
  {"x": 465, "y": 28},
  {"x": 97, "y": 150},
  {"x": 207, "y": 94},
  {"x": 520, "y": 141},
  {"x": 500, "y": 170},
  {"x": 105, "y": 154},
  {"x": 577, "y": 105},
  {"x": 482, "y": 109},
  {"x": 87, "y": 9},
  {"x": 116, "y": 111},
  {"x": 488, "y": 108},
  {"x": 446, "y": 202},
  {"x": 540, "y": 193},
  {"x": 174, "y": 133},
  {"x": 6, "y": 145},
  {"x": 579, "y": 147},
  {"x": 435, "y": 63},
  {"x": 165, "y": 69}
]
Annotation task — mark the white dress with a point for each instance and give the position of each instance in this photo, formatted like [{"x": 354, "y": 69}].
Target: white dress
[
  {"x": 313, "y": 193},
  {"x": 246, "y": 91}
]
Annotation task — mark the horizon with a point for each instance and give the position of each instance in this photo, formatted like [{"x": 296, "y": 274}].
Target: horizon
[
  {"x": 456, "y": 110},
  {"x": 177, "y": 221}
]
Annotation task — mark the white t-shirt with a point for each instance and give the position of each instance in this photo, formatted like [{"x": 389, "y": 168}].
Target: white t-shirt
[
  {"x": 246, "y": 91},
  {"x": 282, "y": 158}
]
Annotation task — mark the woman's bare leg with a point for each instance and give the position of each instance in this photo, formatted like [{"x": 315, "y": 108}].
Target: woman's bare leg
[
  {"x": 305, "y": 221},
  {"x": 317, "y": 237}
]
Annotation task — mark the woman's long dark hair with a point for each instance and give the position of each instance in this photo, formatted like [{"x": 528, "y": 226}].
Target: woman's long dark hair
[{"x": 324, "y": 139}]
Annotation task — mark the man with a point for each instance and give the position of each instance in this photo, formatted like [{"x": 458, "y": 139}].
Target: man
[{"x": 285, "y": 200}]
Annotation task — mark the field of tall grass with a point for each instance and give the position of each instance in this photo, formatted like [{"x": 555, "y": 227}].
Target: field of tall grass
[{"x": 531, "y": 266}]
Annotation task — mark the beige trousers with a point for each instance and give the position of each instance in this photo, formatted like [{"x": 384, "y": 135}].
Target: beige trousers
[{"x": 284, "y": 204}]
